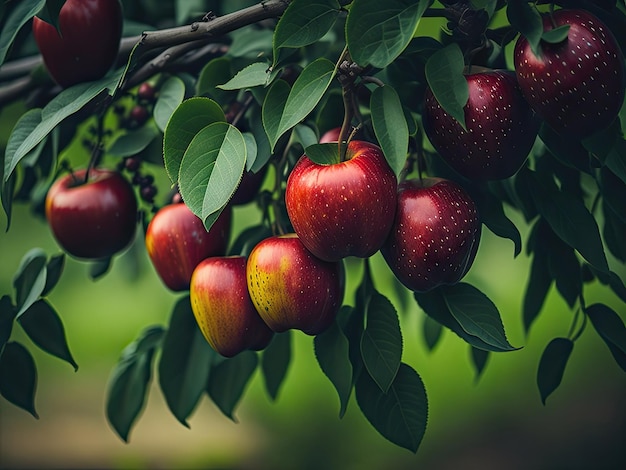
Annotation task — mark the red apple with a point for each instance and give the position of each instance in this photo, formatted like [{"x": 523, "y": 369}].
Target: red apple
[
  {"x": 176, "y": 241},
  {"x": 501, "y": 127},
  {"x": 331, "y": 135},
  {"x": 86, "y": 44},
  {"x": 223, "y": 309},
  {"x": 291, "y": 288},
  {"x": 343, "y": 209},
  {"x": 435, "y": 236},
  {"x": 576, "y": 85},
  {"x": 93, "y": 219}
]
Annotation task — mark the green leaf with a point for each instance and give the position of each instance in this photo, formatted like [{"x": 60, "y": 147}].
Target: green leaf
[
  {"x": 251, "y": 149},
  {"x": 256, "y": 74},
  {"x": 381, "y": 342},
  {"x": 134, "y": 141},
  {"x": 479, "y": 360},
  {"x": 18, "y": 377},
  {"x": 476, "y": 314},
  {"x": 431, "y": 331},
  {"x": 187, "y": 120},
  {"x": 444, "y": 73},
  {"x": 285, "y": 107},
  {"x": 304, "y": 22},
  {"x": 7, "y": 315},
  {"x": 275, "y": 361},
  {"x": 556, "y": 35},
  {"x": 537, "y": 288},
  {"x": 526, "y": 19},
  {"x": 565, "y": 269},
  {"x": 62, "y": 106},
  {"x": 377, "y": 32},
  {"x": 323, "y": 154},
  {"x": 228, "y": 380},
  {"x": 171, "y": 95},
  {"x": 401, "y": 414},
  {"x": 552, "y": 366},
  {"x": 251, "y": 42},
  {"x": 99, "y": 268},
  {"x": 216, "y": 72},
  {"x": 614, "y": 228},
  {"x": 613, "y": 191},
  {"x": 615, "y": 161},
  {"x": 54, "y": 269},
  {"x": 570, "y": 220},
  {"x": 18, "y": 17},
  {"x": 30, "y": 279},
  {"x": 332, "y": 353},
  {"x": 493, "y": 216},
  {"x": 390, "y": 126},
  {"x": 44, "y": 327},
  {"x": 185, "y": 362},
  {"x": 611, "y": 329},
  {"x": 130, "y": 381},
  {"x": 211, "y": 169}
]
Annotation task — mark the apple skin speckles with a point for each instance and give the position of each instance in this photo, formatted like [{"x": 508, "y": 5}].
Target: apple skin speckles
[
  {"x": 501, "y": 128},
  {"x": 576, "y": 85}
]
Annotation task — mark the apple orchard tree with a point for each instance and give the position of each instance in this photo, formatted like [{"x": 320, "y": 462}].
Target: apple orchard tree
[{"x": 352, "y": 132}]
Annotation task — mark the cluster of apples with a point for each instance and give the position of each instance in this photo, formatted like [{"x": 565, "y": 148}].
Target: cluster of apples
[{"x": 575, "y": 85}]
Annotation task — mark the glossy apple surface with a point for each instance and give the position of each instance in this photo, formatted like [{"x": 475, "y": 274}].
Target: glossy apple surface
[
  {"x": 435, "y": 236},
  {"x": 176, "y": 241},
  {"x": 343, "y": 209},
  {"x": 331, "y": 135},
  {"x": 221, "y": 304},
  {"x": 94, "y": 219},
  {"x": 291, "y": 288},
  {"x": 86, "y": 45}
]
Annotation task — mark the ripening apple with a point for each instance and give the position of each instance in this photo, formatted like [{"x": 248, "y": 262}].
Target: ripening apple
[
  {"x": 92, "y": 219},
  {"x": 222, "y": 307},
  {"x": 176, "y": 241},
  {"x": 291, "y": 288},
  {"x": 435, "y": 235}
]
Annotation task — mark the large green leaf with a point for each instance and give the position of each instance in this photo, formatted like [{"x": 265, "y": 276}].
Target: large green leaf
[
  {"x": 185, "y": 362},
  {"x": 537, "y": 288},
  {"x": 44, "y": 327},
  {"x": 304, "y": 22},
  {"x": 54, "y": 269},
  {"x": 211, "y": 169},
  {"x": 332, "y": 353},
  {"x": 390, "y": 126},
  {"x": 29, "y": 280},
  {"x": 275, "y": 361},
  {"x": 18, "y": 377},
  {"x": 188, "y": 119},
  {"x": 377, "y": 32},
  {"x": 444, "y": 73},
  {"x": 401, "y": 414},
  {"x": 479, "y": 360},
  {"x": 255, "y": 74},
  {"x": 228, "y": 380},
  {"x": 611, "y": 329},
  {"x": 552, "y": 366},
  {"x": 19, "y": 16},
  {"x": 130, "y": 381},
  {"x": 171, "y": 95},
  {"x": 285, "y": 107},
  {"x": 381, "y": 342}
]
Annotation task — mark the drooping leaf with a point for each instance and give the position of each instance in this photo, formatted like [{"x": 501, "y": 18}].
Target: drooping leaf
[
  {"x": 332, "y": 351},
  {"x": 479, "y": 360},
  {"x": 304, "y": 22},
  {"x": 390, "y": 126},
  {"x": 565, "y": 269},
  {"x": 211, "y": 169},
  {"x": 19, "y": 16},
  {"x": 54, "y": 269},
  {"x": 431, "y": 331},
  {"x": 381, "y": 343},
  {"x": 444, "y": 72},
  {"x": 377, "y": 33},
  {"x": 18, "y": 377},
  {"x": 614, "y": 227},
  {"x": 185, "y": 362},
  {"x": 401, "y": 414},
  {"x": 284, "y": 107},
  {"x": 29, "y": 280},
  {"x": 130, "y": 381},
  {"x": 611, "y": 329},
  {"x": 552, "y": 366},
  {"x": 7, "y": 315},
  {"x": 228, "y": 380},
  {"x": 476, "y": 314},
  {"x": 100, "y": 267},
  {"x": 275, "y": 361},
  {"x": 187, "y": 120},
  {"x": 493, "y": 216},
  {"x": 537, "y": 288},
  {"x": 526, "y": 19},
  {"x": 171, "y": 95},
  {"x": 45, "y": 328}
]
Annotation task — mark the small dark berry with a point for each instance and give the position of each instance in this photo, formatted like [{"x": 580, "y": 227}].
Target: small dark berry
[
  {"x": 148, "y": 192},
  {"x": 146, "y": 92},
  {"x": 139, "y": 115},
  {"x": 132, "y": 163}
]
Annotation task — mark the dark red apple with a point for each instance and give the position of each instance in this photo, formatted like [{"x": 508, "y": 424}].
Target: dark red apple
[
  {"x": 343, "y": 209},
  {"x": 86, "y": 44},
  {"x": 291, "y": 288},
  {"x": 501, "y": 127},
  {"x": 576, "y": 85},
  {"x": 249, "y": 187},
  {"x": 176, "y": 241},
  {"x": 221, "y": 304},
  {"x": 331, "y": 135},
  {"x": 435, "y": 236},
  {"x": 93, "y": 219}
]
